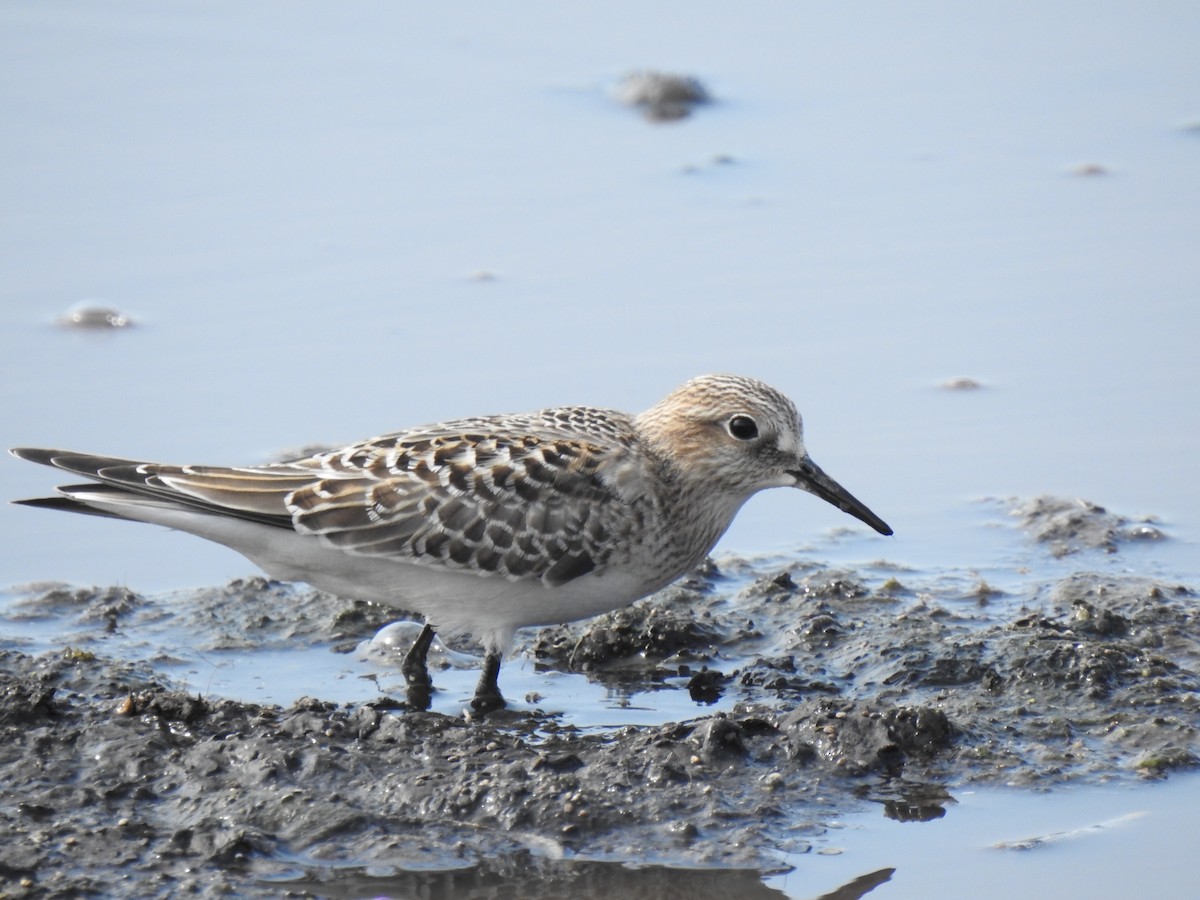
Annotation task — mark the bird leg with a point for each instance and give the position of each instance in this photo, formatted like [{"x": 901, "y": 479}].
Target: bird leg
[
  {"x": 416, "y": 672},
  {"x": 487, "y": 693}
]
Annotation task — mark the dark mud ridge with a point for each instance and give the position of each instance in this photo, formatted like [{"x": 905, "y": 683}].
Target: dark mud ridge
[{"x": 116, "y": 784}]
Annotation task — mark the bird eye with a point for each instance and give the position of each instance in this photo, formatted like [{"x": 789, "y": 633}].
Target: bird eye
[{"x": 743, "y": 428}]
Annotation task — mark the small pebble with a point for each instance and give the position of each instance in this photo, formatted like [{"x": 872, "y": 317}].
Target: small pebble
[
  {"x": 87, "y": 315},
  {"x": 961, "y": 384}
]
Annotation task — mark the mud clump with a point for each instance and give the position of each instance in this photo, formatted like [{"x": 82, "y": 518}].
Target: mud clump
[
  {"x": 860, "y": 738},
  {"x": 631, "y": 636},
  {"x": 1068, "y": 526},
  {"x": 662, "y": 96}
]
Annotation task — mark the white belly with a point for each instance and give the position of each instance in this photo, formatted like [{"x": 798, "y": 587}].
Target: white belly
[{"x": 490, "y": 608}]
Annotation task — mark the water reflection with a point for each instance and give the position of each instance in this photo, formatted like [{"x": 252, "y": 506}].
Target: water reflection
[
  {"x": 860, "y": 886},
  {"x": 528, "y": 877}
]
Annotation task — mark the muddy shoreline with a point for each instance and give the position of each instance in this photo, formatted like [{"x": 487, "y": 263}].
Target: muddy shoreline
[{"x": 846, "y": 690}]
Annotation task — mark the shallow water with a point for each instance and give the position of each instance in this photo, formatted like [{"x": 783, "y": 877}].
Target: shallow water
[
  {"x": 1107, "y": 841},
  {"x": 294, "y": 207},
  {"x": 308, "y": 213}
]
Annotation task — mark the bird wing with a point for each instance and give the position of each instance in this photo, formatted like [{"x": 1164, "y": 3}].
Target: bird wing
[
  {"x": 532, "y": 499},
  {"x": 519, "y": 506}
]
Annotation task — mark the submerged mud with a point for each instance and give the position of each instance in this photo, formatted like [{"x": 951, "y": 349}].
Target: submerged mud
[{"x": 837, "y": 687}]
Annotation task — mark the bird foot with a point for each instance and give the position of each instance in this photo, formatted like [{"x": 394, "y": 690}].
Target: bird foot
[
  {"x": 483, "y": 703},
  {"x": 487, "y": 697},
  {"x": 416, "y": 673},
  {"x": 418, "y": 699}
]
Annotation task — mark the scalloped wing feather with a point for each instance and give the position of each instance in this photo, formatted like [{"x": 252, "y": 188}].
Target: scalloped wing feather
[{"x": 524, "y": 507}]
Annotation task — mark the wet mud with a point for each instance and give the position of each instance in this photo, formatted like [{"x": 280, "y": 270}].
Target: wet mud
[{"x": 837, "y": 687}]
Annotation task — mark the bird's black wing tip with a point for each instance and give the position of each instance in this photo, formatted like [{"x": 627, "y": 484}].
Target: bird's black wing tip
[
  {"x": 35, "y": 454},
  {"x": 65, "y": 504},
  {"x": 48, "y": 503}
]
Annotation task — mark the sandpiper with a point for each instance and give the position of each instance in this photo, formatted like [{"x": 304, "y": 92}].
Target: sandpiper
[{"x": 490, "y": 524}]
